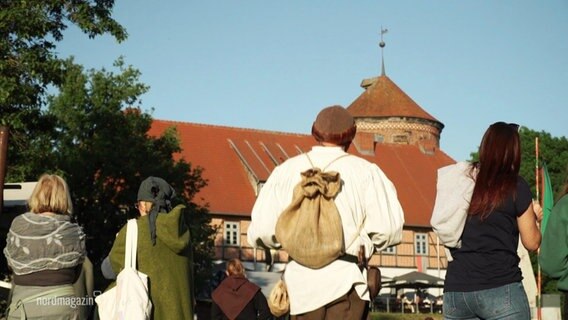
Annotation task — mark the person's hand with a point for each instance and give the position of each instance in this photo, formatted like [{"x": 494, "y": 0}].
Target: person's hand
[{"x": 537, "y": 210}]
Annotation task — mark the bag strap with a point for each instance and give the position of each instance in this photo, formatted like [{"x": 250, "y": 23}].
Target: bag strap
[
  {"x": 358, "y": 233},
  {"x": 332, "y": 161},
  {"x": 131, "y": 244}
]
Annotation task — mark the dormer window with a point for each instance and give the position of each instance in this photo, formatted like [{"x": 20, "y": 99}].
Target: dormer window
[
  {"x": 402, "y": 138},
  {"x": 259, "y": 186},
  {"x": 378, "y": 138}
]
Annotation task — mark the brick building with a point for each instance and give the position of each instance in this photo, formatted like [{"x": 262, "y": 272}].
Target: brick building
[{"x": 393, "y": 131}]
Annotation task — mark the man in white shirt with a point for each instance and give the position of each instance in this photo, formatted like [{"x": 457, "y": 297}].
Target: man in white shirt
[{"x": 370, "y": 212}]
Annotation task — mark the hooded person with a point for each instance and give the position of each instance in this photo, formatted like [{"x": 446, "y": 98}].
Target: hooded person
[
  {"x": 164, "y": 251},
  {"x": 371, "y": 217},
  {"x": 159, "y": 193},
  {"x": 237, "y": 298}
]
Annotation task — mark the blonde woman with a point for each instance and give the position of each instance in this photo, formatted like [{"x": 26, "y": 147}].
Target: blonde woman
[
  {"x": 45, "y": 250},
  {"x": 238, "y": 298}
]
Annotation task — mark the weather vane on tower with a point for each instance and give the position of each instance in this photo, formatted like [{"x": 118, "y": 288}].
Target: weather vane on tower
[{"x": 382, "y": 45}]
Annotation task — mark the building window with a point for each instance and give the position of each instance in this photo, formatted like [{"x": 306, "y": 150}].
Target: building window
[
  {"x": 259, "y": 186},
  {"x": 403, "y": 139},
  {"x": 232, "y": 233},
  {"x": 379, "y": 138},
  {"x": 390, "y": 250},
  {"x": 421, "y": 244}
]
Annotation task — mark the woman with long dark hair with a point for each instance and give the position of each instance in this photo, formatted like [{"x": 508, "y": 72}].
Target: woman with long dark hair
[{"x": 483, "y": 280}]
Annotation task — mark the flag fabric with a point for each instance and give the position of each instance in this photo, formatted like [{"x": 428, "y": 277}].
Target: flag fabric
[{"x": 547, "y": 198}]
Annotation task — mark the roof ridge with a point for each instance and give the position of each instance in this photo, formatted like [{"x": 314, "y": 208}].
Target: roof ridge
[{"x": 230, "y": 127}]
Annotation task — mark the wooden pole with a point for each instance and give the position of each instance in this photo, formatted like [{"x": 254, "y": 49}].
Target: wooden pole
[{"x": 4, "y": 131}]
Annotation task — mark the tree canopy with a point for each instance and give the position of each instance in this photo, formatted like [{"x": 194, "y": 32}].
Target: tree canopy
[
  {"x": 29, "y": 31},
  {"x": 103, "y": 149},
  {"x": 93, "y": 131},
  {"x": 552, "y": 150}
]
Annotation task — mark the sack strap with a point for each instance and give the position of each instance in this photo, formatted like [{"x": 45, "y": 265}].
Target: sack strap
[
  {"x": 52, "y": 293},
  {"x": 352, "y": 240},
  {"x": 349, "y": 258},
  {"x": 131, "y": 244},
  {"x": 332, "y": 161},
  {"x": 357, "y": 234}
]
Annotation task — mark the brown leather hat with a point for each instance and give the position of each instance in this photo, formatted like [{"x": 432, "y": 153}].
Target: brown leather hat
[{"x": 335, "y": 125}]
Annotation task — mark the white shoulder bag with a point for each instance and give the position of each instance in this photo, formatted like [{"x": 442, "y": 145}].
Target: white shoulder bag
[
  {"x": 454, "y": 189},
  {"x": 129, "y": 299}
]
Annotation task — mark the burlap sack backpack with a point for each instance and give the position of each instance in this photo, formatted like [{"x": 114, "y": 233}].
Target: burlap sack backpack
[{"x": 310, "y": 228}]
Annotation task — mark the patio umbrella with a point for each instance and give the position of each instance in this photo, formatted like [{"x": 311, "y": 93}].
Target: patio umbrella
[{"x": 415, "y": 280}]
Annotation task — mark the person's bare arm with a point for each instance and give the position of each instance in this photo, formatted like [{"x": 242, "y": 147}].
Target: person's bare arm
[{"x": 528, "y": 226}]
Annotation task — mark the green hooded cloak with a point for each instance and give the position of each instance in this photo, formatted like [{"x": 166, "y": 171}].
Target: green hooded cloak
[{"x": 168, "y": 263}]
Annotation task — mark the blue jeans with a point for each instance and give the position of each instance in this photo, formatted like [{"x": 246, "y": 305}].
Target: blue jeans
[{"x": 506, "y": 302}]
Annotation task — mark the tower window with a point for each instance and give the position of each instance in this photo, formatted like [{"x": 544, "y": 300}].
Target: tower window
[{"x": 400, "y": 139}]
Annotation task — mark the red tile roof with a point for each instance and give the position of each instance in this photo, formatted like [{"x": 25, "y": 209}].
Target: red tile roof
[
  {"x": 223, "y": 151},
  {"x": 229, "y": 156},
  {"x": 414, "y": 175},
  {"x": 383, "y": 98}
]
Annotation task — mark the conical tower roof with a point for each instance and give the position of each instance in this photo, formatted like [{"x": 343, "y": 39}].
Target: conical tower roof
[{"x": 383, "y": 98}]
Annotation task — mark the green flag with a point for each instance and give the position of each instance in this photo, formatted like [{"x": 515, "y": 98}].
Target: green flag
[{"x": 547, "y": 198}]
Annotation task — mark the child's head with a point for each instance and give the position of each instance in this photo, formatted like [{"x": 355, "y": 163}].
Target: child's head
[{"x": 235, "y": 268}]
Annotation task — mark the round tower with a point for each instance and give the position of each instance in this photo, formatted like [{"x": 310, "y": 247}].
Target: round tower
[{"x": 385, "y": 114}]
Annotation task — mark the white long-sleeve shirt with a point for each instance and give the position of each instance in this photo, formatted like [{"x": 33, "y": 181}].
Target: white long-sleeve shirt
[{"x": 370, "y": 213}]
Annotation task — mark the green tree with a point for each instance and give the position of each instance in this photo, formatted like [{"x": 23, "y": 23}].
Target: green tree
[
  {"x": 29, "y": 31},
  {"x": 103, "y": 149},
  {"x": 554, "y": 151}
]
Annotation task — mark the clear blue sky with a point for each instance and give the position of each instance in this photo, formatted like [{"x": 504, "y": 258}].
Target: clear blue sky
[{"x": 274, "y": 64}]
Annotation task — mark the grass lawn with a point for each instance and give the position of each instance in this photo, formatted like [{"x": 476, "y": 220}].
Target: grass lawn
[{"x": 405, "y": 316}]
